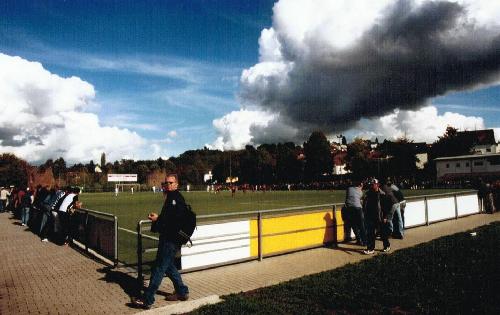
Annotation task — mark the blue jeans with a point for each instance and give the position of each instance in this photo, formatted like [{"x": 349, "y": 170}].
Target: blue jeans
[
  {"x": 25, "y": 215},
  {"x": 357, "y": 218},
  {"x": 45, "y": 218},
  {"x": 165, "y": 263},
  {"x": 396, "y": 210},
  {"x": 390, "y": 216}
]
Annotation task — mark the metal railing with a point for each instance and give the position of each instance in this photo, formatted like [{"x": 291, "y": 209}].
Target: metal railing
[
  {"x": 143, "y": 227},
  {"x": 91, "y": 229}
]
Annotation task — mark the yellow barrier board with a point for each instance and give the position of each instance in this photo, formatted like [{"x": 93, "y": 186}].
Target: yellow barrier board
[{"x": 285, "y": 233}]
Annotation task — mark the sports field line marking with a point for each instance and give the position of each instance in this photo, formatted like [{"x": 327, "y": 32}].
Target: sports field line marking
[{"x": 127, "y": 230}]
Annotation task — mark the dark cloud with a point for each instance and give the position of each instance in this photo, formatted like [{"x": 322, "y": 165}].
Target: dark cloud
[
  {"x": 14, "y": 137},
  {"x": 409, "y": 56}
]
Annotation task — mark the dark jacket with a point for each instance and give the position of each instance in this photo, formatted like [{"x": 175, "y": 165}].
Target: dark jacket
[
  {"x": 373, "y": 206},
  {"x": 391, "y": 198},
  {"x": 167, "y": 223}
]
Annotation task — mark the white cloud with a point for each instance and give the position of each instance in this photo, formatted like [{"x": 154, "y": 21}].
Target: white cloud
[
  {"x": 43, "y": 117},
  {"x": 423, "y": 125},
  {"x": 235, "y": 128},
  {"x": 172, "y": 134}
]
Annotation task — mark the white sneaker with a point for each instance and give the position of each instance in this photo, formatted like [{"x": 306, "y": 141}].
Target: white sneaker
[
  {"x": 387, "y": 249},
  {"x": 45, "y": 240},
  {"x": 22, "y": 224},
  {"x": 368, "y": 252}
]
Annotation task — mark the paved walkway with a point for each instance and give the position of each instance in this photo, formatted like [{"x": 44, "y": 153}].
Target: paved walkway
[{"x": 43, "y": 278}]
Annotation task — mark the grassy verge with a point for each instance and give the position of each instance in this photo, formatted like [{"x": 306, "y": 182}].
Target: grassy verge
[{"x": 457, "y": 274}]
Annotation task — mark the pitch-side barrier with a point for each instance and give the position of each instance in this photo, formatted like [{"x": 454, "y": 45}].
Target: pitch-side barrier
[
  {"x": 97, "y": 232},
  {"x": 229, "y": 238}
]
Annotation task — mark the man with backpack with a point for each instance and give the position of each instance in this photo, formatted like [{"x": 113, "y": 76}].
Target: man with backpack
[{"x": 167, "y": 224}]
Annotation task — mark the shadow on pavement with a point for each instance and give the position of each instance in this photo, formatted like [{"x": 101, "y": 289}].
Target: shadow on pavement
[{"x": 127, "y": 282}]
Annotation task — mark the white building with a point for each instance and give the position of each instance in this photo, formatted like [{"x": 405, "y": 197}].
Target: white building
[
  {"x": 475, "y": 165},
  {"x": 486, "y": 149}
]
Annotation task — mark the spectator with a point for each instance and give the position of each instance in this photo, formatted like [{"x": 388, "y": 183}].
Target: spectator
[
  {"x": 46, "y": 208},
  {"x": 61, "y": 194},
  {"x": 489, "y": 204},
  {"x": 168, "y": 246},
  {"x": 25, "y": 206},
  {"x": 391, "y": 205},
  {"x": 355, "y": 212},
  {"x": 375, "y": 217},
  {"x": 69, "y": 202},
  {"x": 4, "y": 195},
  {"x": 398, "y": 216}
]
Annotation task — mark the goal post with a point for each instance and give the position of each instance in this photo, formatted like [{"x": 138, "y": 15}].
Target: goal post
[{"x": 127, "y": 187}]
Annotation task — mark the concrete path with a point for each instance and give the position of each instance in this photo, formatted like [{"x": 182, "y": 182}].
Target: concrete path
[{"x": 44, "y": 278}]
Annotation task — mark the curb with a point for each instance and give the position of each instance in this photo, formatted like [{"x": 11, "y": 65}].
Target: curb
[{"x": 183, "y": 307}]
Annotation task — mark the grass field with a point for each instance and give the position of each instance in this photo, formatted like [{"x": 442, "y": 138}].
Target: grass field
[
  {"x": 456, "y": 274},
  {"x": 130, "y": 208}
]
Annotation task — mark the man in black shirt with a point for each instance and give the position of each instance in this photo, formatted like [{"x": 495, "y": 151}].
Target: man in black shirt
[{"x": 165, "y": 224}]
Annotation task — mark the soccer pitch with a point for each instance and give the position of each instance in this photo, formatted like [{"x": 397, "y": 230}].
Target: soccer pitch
[{"x": 130, "y": 208}]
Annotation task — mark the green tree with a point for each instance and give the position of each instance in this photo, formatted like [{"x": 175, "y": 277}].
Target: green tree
[
  {"x": 450, "y": 144},
  {"x": 103, "y": 160},
  {"x": 400, "y": 158},
  {"x": 59, "y": 168},
  {"x": 288, "y": 168},
  {"x": 357, "y": 158},
  {"x": 13, "y": 170},
  {"x": 142, "y": 173},
  {"x": 318, "y": 156}
]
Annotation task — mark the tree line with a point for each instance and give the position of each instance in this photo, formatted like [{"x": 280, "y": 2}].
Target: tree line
[{"x": 279, "y": 163}]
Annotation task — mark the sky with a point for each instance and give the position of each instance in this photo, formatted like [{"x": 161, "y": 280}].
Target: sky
[{"x": 149, "y": 79}]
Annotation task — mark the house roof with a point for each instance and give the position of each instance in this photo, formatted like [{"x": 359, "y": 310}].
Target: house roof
[
  {"x": 463, "y": 157},
  {"x": 478, "y": 137}
]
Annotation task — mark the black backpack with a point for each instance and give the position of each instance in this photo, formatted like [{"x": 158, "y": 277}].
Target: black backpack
[{"x": 186, "y": 226}]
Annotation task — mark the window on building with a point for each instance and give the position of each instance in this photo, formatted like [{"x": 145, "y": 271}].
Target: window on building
[
  {"x": 457, "y": 165},
  {"x": 478, "y": 163},
  {"x": 494, "y": 160},
  {"x": 447, "y": 165},
  {"x": 488, "y": 150},
  {"x": 467, "y": 164}
]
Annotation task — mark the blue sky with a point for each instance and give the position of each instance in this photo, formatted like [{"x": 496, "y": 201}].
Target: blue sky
[
  {"x": 164, "y": 70},
  {"x": 188, "y": 55}
]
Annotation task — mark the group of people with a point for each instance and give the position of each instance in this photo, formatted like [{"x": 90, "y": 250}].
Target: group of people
[
  {"x": 46, "y": 211},
  {"x": 378, "y": 210}
]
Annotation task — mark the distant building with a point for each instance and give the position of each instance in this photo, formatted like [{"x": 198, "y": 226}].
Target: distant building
[
  {"x": 339, "y": 163},
  {"x": 468, "y": 166},
  {"x": 421, "y": 150}
]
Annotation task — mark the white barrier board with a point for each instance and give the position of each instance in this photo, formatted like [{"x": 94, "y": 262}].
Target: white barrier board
[
  {"x": 414, "y": 213},
  {"x": 441, "y": 209},
  {"x": 217, "y": 243},
  {"x": 467, "y": 204}
]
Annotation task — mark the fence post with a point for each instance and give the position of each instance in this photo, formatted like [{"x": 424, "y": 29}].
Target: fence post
[
  {"x": 259, "y": 224},
  {"x": 116, "y": 240},
  {"x": 87, "y": 232},
  {"x": 140, "y": 277},
  {"x": 334, "y": 226},
  {"x": 456, "y": 206},
  {"x": 426, "y": 207}
]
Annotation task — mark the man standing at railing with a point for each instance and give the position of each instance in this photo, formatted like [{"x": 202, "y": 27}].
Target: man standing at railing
[
  {"x": 168, "y": 245},
  {"x": 376, "y": 217},
  {"x": 355, "y": 212}
]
